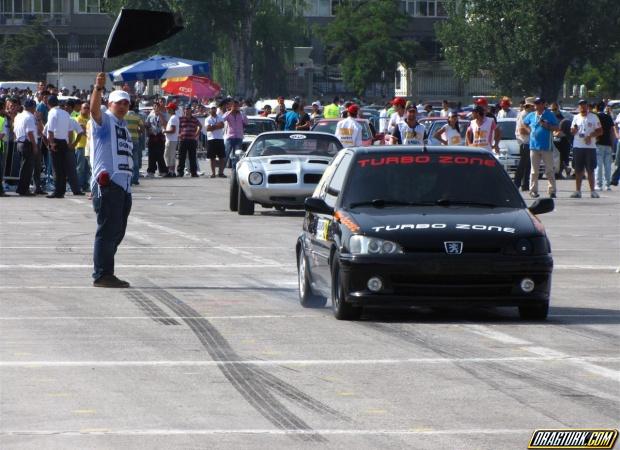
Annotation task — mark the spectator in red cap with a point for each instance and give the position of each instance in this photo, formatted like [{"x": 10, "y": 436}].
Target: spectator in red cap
[
  {"x": 506, "y": 112},
  {"x": 172, "y": 139},
  {"x": 348, "y": 130},
  {"x": 399, "y": 104},
  {"x": 409, "y": 131}
]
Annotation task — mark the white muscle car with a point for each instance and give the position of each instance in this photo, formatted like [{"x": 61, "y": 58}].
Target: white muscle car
[{"x": 280, "y": 169}]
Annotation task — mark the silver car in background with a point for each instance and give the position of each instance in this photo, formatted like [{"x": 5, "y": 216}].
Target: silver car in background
[{"x": 280, "y": 169}]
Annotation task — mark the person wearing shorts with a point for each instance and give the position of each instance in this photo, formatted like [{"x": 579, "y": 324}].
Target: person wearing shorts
[
  {"x": 585, "y": 128},
  {"x": 216, "y": 152}
]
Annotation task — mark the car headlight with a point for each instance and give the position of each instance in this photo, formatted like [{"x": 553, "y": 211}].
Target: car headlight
[
  {"x": 365, "y": 245},
  {"x": 255, "y": 178}
]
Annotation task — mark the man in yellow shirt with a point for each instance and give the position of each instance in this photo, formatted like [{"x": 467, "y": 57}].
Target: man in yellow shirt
[
  {"x": 81, "y": 160},
  {"x": 136, "y": 127},
  {"x": 332, "y": 111}
]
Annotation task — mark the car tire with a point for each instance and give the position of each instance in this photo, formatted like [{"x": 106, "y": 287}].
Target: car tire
[
  {"x": 307, "y": 298},
  {"x": 245, "y": 206},
  {"x": 234, "y": 191},
  {"x": 534, "y": 312},
  {"x": 342, "y": 310}
]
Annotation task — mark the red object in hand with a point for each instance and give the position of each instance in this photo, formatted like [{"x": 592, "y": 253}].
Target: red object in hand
[{"x": 103, "y": 179}]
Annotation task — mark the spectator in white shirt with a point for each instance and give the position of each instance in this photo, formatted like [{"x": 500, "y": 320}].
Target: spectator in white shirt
[
  {"x": 59, "y": 124},
  {"x": 348, "y": 130},
  {"x": 506, "y": 112},
  {"x": 25, "y": 129}
]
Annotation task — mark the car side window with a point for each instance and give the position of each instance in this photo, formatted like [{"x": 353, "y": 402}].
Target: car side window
[{"x": 337, "y": 181}]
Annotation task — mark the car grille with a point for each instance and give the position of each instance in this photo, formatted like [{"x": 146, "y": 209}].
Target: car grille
[
  {"x": 312, "y": 178},
  {"x": 452, "y": 285},
  {"x": 439, "y": 248},
  {"x": 282, "y": 178}
]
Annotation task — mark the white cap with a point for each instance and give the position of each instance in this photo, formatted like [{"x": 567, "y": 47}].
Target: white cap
[
  {"x": 118, "y": 95},
  {"x": 317, "y": 103}
]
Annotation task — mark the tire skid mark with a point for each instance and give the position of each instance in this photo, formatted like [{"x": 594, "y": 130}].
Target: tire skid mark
[
  {"x": 539, "y": 379},
  {"x": 254, "y": 384},
  {"x": 150, "y": 308}
]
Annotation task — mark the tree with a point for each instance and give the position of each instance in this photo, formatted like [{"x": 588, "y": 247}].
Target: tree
[
  {"x": 25, "y": 56},
  {"x": 366, "y": 38},
  {"x": 528, "y": 45}
]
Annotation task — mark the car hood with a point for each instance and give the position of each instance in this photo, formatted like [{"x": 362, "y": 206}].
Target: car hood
[
  {"x": 511, "y": 145},
  {"x": 429, "y": 227},
  {"x": 288, "y": 163}
]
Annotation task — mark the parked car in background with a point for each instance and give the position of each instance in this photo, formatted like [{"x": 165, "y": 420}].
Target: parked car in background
[
  {"x": 329, "y": 126},
  {"x": 256, "y": 125},
  {"x": 508, "y": 145}
]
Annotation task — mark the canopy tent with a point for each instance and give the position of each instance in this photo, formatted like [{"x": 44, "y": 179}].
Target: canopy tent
[
  {"x": 192, "y": 86},
  {"x": 158, "y": 67}
]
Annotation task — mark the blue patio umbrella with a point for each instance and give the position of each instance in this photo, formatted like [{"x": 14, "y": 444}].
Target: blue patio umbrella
[{"x": 159, "y": 67}]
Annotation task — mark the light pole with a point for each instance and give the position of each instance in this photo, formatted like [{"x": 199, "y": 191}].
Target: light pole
[{"x": 57, "y": 58}]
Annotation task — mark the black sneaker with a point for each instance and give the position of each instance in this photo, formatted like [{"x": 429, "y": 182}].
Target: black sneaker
[
  {"x": 79, "y": 193},
  {"x": 52, "y": 195},
  {"x": 221, "y": 175},
  {"x": 534, "y": 194},
  {"x": 110, "y": 281}
]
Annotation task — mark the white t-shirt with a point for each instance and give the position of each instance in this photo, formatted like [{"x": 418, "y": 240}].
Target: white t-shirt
[
  {"x": 586, "y": 125},
  {"x": 23, "y": 124},
  {"x": 395, "y": 118},
  {"x": 409, "y": 135},
  {"x": 59, "y": 123},
  {"x": 484, "y": 134},
  {"x": 451, "y": 135},
  {"x": 383, "y": 120},
  {"x": 349, "y": 132},
  {"x": 510, "y": 114},
  {"x": 444, "y": 112},
  {"x": 521, "y": 138},
  {"x": 217, "y": 134},
  {"x": 173, "y": 121}
]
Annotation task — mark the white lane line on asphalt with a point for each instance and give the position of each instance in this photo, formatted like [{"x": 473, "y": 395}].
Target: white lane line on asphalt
[
  {"x": 309, "y": 362},
  {"x": 138, "y": 247},
  {"x": 586, "y": 365},
  {"x": 239, "y": 317},
  {"x": 144, "y": 266},
  {"x": 544, "y": 351},
  {"x": 583, "y": 267},
  {"x": 275, "y": 284},
  {"x": 425, "y": 431},
  {"x": 495, "y": 335}
]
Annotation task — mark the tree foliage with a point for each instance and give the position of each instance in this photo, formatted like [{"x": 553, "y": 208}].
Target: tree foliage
[
  {"x": 366, "y": 38},
  {"x": 248, "y": 40},
  {"x": 528, "y": 45},
  {"x": 25, "y": 56}
]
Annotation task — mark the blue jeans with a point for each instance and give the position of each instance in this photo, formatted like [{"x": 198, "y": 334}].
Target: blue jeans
[
  {"x": 83, "y": 169},
  {"x": 112, "y": 205},
  {"x": 232, "y": 144},
  {"x": 603, "y": 165}
]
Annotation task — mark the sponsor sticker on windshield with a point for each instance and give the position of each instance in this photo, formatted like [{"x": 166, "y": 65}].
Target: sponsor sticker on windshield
[{"x": 297, "y": 136}]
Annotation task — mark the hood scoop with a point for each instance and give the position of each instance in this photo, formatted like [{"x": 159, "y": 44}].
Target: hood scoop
[
  {"x": 318, "y": 161},
  {"x": 280, "y": 161}
]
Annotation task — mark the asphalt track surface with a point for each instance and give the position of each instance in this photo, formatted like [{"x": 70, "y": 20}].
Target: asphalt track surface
[{"x": 211, "y": 349}]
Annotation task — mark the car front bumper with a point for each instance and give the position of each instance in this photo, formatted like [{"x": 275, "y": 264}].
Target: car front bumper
[
  {"x": 433, "y": 280},
  {"x": 287, "y": 195}
]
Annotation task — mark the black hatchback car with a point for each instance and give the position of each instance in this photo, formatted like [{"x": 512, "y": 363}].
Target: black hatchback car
[{"x": 413, "y": 226}]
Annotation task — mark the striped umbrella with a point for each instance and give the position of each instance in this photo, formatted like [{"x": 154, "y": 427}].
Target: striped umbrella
[{"x": 158, "y": 67}]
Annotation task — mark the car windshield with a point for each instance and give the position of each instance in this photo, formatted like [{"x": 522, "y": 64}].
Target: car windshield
[
  {"x": 295, "y": 144},
  {"x": 256, "y": 127},
  {"x": 455, "y": 179},
  {"x": 330, "y": 127},
  {"x": 507, "y": 129}
]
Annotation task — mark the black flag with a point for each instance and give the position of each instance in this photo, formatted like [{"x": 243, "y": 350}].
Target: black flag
[{"x": 136, "y": 29}]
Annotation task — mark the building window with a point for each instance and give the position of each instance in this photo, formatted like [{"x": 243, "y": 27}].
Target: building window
[
  {"x": 426, "y": 8},
  {"x": 87, "y": 7},
  {"x": 397, "y": 80}
]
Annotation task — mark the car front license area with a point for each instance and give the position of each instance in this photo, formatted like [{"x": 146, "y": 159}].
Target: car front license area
[{"x": 427, "y": 280}]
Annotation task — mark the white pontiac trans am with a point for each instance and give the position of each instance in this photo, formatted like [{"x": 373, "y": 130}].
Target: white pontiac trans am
[{"x": 280, "y": 169}]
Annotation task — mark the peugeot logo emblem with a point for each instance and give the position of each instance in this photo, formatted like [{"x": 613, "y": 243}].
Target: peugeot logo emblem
[{"x": 453, "y": 247}]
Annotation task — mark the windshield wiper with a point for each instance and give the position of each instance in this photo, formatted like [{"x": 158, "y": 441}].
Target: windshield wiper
[
  {"x": 448, "y": 202},
  {"x": 380, "y": 203}
]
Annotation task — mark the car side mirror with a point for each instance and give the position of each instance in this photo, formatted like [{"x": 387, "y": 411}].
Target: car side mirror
[
  {"x": 542, "y": 206},
  {"x": 317, "y": 205},
  {"x": 239, "y": 153}
]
